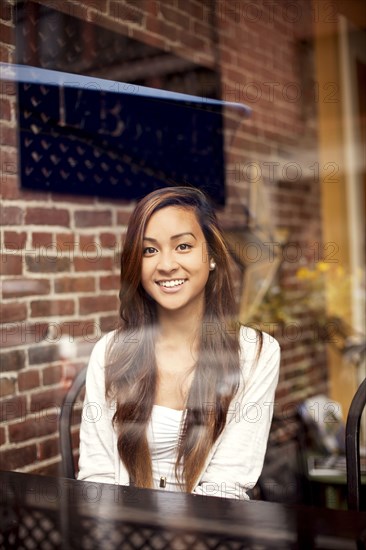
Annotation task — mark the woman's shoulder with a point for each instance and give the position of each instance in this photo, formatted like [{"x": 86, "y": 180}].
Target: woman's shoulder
[
  {"x": 259, "y": 351},
  {"x": 259, "y": 356},
  {"x": 101, "y": 346},
  {"x": 256, "y": 343},
  {"x": 106, "y": 339}
]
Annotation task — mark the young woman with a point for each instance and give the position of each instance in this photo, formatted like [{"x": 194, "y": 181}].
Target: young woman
[{"x": 181, "y": 396}]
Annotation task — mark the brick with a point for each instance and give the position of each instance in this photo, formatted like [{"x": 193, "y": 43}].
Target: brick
[
  {"x": 32, "y": 427},
  {"x": 109, "y": 282},
  {"x": 15, "y": 288},
  {"x": 47, "y": 399},
  {"x": 65, "y": 242},
  {"x": 98, "y": 5},
  {"x": 52, "y": 375},
  {"x": 13, "y": 311},
  {"x": 40, "y": 239},
  {"x": 22, "y": 333},
  {"x": 91, "y": 264},
  {"x": 73, "y": 284},
  {"x": 47, "y": 216},
  {"x": 191, "y": 41},
  {"x": 14, "y": 240},
  {"x": 123, "y": 217},
  {"x": 173, "y": 16},
  {"x": 19, "y": 457},
  {"x": 159, "y": 26},
  {"x": 9, "y": 162},
  {"x": 5, "y": 109},
  {"x": 110, "y": 23},
  {"x": 76, "y": 9},
  {"x": 75, "y": 439},
  {"x": 8, "y": 87},
  {"x": 88, "y": 329},
  {"x": 12, "y": 360},
  {"x": 8, "y": 136},
  {"x": 92, "y": 218},
  {"x": 143, "y": 36},
  {"x": 99, "y": 303},
  {"x": 87, "y": 243},
  {"x": 48, "y": 448},
  {"x": 10, "y": 186},
  {"x": 77, "y": 409},
  {"x": 2, "y": 436},
  {"x": 7, "y": 386},
  {"x": 45, "y": 308},
  {"x": 12, "y": 408},
  {"x": 125, "y": 13},
  {"x": 47, "y": 263},
  {"x": 202, "y": 29},
  {"x": 151, "y": 7},
  {"x": 28, "y": 379},
  {"x": 7, "y": 34},
  {"x": 44, "y": 354},
  {"x": 194, "y": 9},
  {"x": 11, "y": 264},
  {"x": 74, "y": 329},
  {"x": 109, "y": 240},
  {"x": 6, "y": 55},
  {"x": 89, "y": 249},
  {"x": 11, "y": 215},
  {"x": 71, "y": 371},
  {"x": 6, "y": 11}
]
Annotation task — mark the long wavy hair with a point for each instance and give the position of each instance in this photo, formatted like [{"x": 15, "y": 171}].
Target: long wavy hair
[{"x": 131, "y": 372}]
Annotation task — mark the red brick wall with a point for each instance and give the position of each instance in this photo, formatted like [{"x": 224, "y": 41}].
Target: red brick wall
[{"x": 60, "y": 253}]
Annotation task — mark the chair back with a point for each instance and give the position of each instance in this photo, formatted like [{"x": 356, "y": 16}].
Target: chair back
[
  {"x": 68, "y": 468},
  {"x": 353, "y": 447}
]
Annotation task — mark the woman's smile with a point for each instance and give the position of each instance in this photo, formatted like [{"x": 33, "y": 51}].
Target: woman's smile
[
  {"x": 172, "y": 283},
  {"x": 171, "y": 287}
]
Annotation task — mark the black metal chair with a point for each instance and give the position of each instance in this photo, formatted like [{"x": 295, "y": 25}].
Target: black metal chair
[
  {"x": 68, "y": 468},
  {"x": 353, "y": 447}
]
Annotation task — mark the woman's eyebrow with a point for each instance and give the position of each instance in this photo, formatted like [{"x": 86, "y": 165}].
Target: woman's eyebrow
[
  {"x": 182, "y": 235},
  {"x": 150, "y": 239}
]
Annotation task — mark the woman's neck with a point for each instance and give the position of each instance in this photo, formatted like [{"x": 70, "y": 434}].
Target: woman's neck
[{"x": 179, "y": 329}]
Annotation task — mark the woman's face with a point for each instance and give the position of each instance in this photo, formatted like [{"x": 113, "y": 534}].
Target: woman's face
[{"x": 175, "y": 264}]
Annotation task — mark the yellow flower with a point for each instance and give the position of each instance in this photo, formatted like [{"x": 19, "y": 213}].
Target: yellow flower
[
  {"x": 322, "y": 267},
  {"x": 303, "y": 273}
]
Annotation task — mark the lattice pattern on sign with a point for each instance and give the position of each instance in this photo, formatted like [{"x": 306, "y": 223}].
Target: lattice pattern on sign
[{"x": 93, "y": 142}]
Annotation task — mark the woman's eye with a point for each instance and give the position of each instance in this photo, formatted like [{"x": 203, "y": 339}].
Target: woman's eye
[
  {"x": 149, "y": 250},
  {"x": 184, "y": 246}
]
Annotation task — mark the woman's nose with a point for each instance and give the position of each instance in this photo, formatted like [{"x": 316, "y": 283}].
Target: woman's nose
[{"x": 167, "y": 262}]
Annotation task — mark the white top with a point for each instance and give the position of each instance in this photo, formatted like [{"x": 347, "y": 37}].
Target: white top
[
  {"x": 235, "y": 461},
  {"x": 162, "y": 435}
]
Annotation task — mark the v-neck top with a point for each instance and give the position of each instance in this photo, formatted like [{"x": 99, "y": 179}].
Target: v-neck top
[{"x": 163, "y": 435}]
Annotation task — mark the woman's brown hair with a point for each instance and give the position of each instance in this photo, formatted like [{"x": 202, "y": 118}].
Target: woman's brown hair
[{"x": 131, "y": 376}]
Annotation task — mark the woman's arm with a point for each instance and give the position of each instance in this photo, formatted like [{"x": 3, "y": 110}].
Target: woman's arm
[
  {"x": 238, "y": 458},
  {"x": 96, "y": 462}
]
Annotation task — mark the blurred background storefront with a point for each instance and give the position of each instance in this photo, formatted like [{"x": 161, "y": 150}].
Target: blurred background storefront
[{"x": 289, "y": 183}]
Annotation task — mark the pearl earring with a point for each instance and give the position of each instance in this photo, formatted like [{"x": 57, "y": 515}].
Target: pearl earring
[{"x": 212, "y": 264}]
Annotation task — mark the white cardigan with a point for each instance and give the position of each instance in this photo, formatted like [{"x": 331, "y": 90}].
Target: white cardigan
[{"x": 235, "y": 461}]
